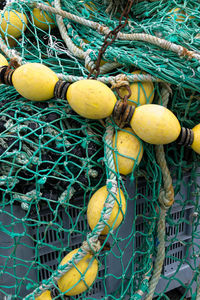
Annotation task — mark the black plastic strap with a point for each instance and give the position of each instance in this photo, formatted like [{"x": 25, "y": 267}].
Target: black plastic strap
[
  {"x": 60, "y": 89},
  {"x": 186, "y": 137}
]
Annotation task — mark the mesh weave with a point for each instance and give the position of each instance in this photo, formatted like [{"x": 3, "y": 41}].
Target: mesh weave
[{"x": 53, "y": 160}]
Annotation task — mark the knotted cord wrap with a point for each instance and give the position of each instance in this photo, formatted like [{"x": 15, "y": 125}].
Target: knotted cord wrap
[
  {"x": 120, "y": 80},
  {"x": 166, "y": 199},
  {"x": 186, "y": 137}
]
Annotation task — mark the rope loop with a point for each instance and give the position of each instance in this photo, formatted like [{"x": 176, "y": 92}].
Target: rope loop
[
  {"x": 89, "y": 62},
  {"x": 119, "y": 81},
  {"x": 166, "y": 198},
  {"x": 91, "y": 246}
]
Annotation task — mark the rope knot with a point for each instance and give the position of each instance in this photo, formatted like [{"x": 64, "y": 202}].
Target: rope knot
[
  {"x": 119, "y": 81},
  {"x": 166, "y": 198},
  {"x": 91, "y": 246}
]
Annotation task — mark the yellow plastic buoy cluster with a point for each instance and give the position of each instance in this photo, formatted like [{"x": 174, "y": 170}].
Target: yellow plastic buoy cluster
[
  {"x": 34, "y": 81},
  {"x": 127, "y": 144},
  {"x": 196, "y": 143},
  {"x": 141, "y": 92},
  {"x": 3, "y": 61},
  {"x": 44, "y": 296},
  {"x": 155, "y": 124},
  {"x": 91, "y": 99},
  {"x": 42, "y": 20},
  {"x": 12, "y": 22},
  {"x": 72, "y": 281},
  {"x": 95, "y": 207}
]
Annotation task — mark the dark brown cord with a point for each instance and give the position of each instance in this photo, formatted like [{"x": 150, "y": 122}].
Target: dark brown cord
[{"x": 112, "y": 35}]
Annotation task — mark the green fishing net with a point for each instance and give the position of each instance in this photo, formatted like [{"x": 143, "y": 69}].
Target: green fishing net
[{"x": 52, "y": 160}]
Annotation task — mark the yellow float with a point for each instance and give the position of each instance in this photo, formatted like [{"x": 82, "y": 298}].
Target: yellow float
[
  {"x": 141, "y": 92},
  {"x": 127, "y": 144},
  {"x": 71, "y": 283},
  {"x": 44, "y": 296},
  {"x": 91, "y": 99},
  {"x": 196, "y": 142},
  {"x": 13, "y": 23},
  {"x": 42, "y": 20},
  {"x": 3, "y": 61},
  {"x": 34, "y": 81},
  {"x": 95, "y": 207},
  {"x": 155, "y": 124}
]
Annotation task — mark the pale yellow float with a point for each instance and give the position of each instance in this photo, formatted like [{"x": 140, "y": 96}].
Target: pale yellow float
[
  {"x": 196, "y": 143},
  {"x": 12, "y": 22},
  {"x": 95, "y": 207},
  {"x": 141, "y": 92},
  {"x": 127, "y": 144},
  {"x": 71, "y": 280},
  {"x": 155, "y": 124},
  {"x": 42, "y": 20},
  {"x": 34, "y": 81},
  {"x": 45, "y": 296},
  {"x": 3, "y": 61},
  {"x": 91, "y": 99}
]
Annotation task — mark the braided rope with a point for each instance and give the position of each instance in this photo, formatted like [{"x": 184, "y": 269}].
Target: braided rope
[
  {"x": 89, "y": 63},
  {"x": 63, "y": 32},
  {"x": 166, "y": 45},
  {"x": 166, "y": 199},
  {"x": 11, "y": 53},
  {"x": 160, "y": 254},
  {"x": 91, "y": 244},
  {"x": 112, "y": 79}
]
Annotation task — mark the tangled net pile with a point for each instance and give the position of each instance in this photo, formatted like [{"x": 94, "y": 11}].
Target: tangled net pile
[{"x": 52, "y": 160}]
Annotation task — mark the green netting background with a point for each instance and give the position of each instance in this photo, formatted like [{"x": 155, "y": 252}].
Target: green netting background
[{"x": 52, "y": 160}]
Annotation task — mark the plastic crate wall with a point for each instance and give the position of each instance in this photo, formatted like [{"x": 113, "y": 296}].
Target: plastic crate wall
[
  {"x": 74, "y": 240},
  {"x": 51, "y": 258},
  {"x": 180, "y": 231}
]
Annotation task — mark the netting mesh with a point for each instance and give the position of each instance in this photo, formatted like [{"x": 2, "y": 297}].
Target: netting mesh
[{"x": 53, "y": 160}]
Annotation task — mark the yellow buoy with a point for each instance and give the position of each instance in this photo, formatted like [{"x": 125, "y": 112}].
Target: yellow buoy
[
  {"x": 42, "y": 20},
  {"x": 13, "y": 22},
  {"x": 72, "y": 279},
  {"x": 127, "y": 144},
  {"x": 35, "y": 81},
  {"x": 196, "y": 143},
  {"x": 91, "y": 99},
  {"x": 96, "y": 205},
  {"x": 155, "y": 124},
  {"x": 3, "y": 61},
  {"x": 177, "y": 14},
  {"x": 44, "y": 296},
  {"x": 141, "y": 92}
]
